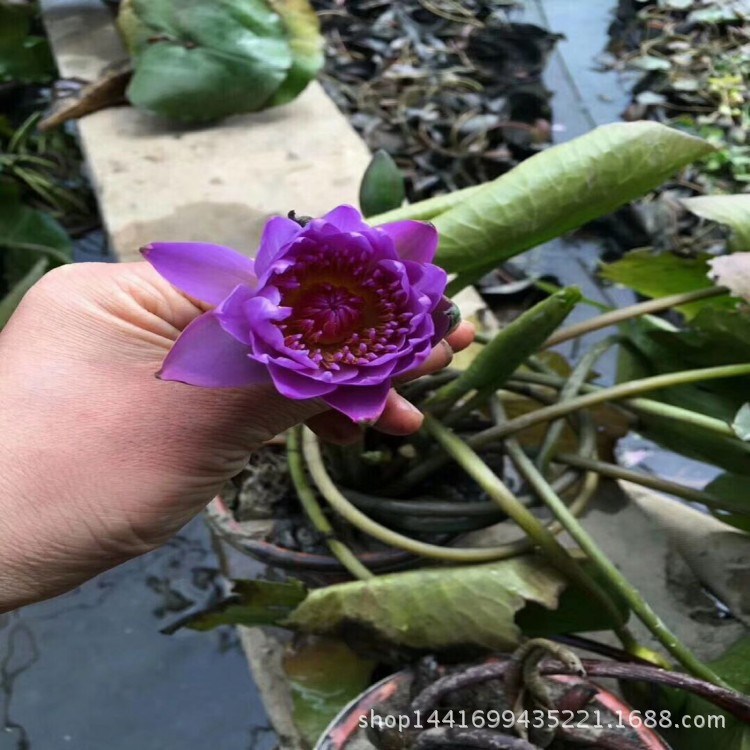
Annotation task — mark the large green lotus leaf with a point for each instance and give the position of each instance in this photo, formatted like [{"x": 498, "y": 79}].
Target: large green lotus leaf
[
  {"x": 435, "y": 608},
  {"x": 201, "y": 60},
  {"x": 663, "y": 274},
  {"x": 23, "y": 57},
  {"x": 561, "y": 189},
  {"x": 306, "y": 42},
  {"x": 732, "y": 210}
]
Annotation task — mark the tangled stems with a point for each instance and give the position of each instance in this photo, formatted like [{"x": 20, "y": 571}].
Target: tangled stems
[
  {"x": 473, "y": 465},
  {"x": 613, "y": 576},
  {"x": 361, "y": 521},
  {"x": 309, "y": 502},
  {"x": 555, "y": 411}
]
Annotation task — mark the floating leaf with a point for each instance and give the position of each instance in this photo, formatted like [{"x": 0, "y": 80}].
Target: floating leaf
[
  {"x": 435, "y": 608},
  {"x": 559, "y": 190},
  {"x": 741, "y": 423},
  {"x": 382, "y": 188},
  {"x": 320, "y": 692},
  {"x": 732, "y": 210},
  {"x": 663, "y": 274},
  {"x": 250, "y": 603},
  {"x": 733, "y": 272},
  {"x": 201, "y": 60}
]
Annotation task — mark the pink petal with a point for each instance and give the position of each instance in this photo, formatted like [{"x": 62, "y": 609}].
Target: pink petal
[
  {"x": 414, "y": 240},
  {"x": 207, "y": 272},
  {"x": 206, "y": 355},
  {"x": 277, "y": 234},
  {"x": 360, "y": 403}
]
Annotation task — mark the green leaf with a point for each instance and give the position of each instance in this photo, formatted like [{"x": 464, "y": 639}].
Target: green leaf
[
  {"x": 732, "y": 489},
  {"x": 201, "y": 60},
  {"x": 435, "y": 608},
  {"x": 251, "y": 603},
  {"x": 306, "y": 42},
  {"x": 319, "y": 692},
  {"x": 732, "y": 210},
  {"x": 662, "y": 274},
  {"x": 560, "y": 189},
  {"x": 382, "y": 187},
  {"x": 23, "y": 57},
  {"x": 508, "y": 350},
  {"x": 10, "y": 301},
  {"x": 26, "y": 235},
  {"x": 715, "y": 337},
  {"x": 734, "y": 667},
  {"x": 741, "y": 423}
]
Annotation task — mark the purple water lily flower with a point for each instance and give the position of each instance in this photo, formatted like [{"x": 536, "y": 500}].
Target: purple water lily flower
[{"x": 333, "y": 310}]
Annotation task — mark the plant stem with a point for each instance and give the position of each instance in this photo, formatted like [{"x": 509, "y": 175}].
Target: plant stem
[
  {"x": 429, "y": 208},
  {"x": 473, "y": 465},
  {"x": 364, "y": 523},
  {"x": 613, "y": 471},
  {"x": 615, "y": 578},
  {"x": 619, "y": 392},
  {"x": 633, "y": 311},
  {"x": 640, "y": 405},
  {"x": 310, "y": 504},
  {"x": 571, "y": 388}
]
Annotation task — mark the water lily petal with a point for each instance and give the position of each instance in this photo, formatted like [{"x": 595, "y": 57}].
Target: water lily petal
[
  {"x": 414, "y": 240},
  {"x": 278, "y": 233},
  {"x": 206, "y": 355},
  {"x": 360, "y": 403},
  {"x": 346, "y": 219},
  {"x": 204, "y": 271},
  {"x": 291, "y": 384}
]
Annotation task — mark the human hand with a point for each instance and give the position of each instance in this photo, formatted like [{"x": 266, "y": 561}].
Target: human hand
[{"x": 100, "y": 461}]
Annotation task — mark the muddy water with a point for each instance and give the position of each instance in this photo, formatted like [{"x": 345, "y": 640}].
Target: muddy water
[{"x": 90, "y": 670}]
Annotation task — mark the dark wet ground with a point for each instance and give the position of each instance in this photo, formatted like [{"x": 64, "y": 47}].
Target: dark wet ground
[{"x": 91, "y": 671}]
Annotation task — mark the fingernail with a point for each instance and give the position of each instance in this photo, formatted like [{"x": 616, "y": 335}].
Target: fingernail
[
  {"x": 454, "y": 314},
  {"x": 408, "y": 406},
  {"x": 448, "y": 352}
]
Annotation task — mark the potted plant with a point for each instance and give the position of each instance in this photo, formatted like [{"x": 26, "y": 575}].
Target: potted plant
[{"x": 474, "y": 465}]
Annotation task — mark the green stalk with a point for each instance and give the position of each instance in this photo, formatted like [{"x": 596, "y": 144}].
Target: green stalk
[
  {"x": 608, "y": 570},
  {"x": 427, "y": 209},
  {"x": 571, "y": 388},
  {"x": 613, "y": 471},
  {"x": 633, "y": 311},
  {"x": 473, "y": 465},
  {"x": 334, "y": 497},
  {"x": 310, "y": 504},
  {"x": 619, "y": 392}
]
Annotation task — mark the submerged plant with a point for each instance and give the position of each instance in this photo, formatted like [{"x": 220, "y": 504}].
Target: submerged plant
[{"x": 334, "y": 309}]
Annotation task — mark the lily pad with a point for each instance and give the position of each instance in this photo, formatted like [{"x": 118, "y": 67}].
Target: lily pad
[
  {"x": 559, "y": 190},
  {"x": 202, "y": 60},
  {"x": 435, "y": 608},
  {"x": 382, "y": 187}
]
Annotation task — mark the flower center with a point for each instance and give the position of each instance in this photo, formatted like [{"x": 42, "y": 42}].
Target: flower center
[
  {"x": 344, "y": 310},
  {"x": 329, "y": 314}
]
